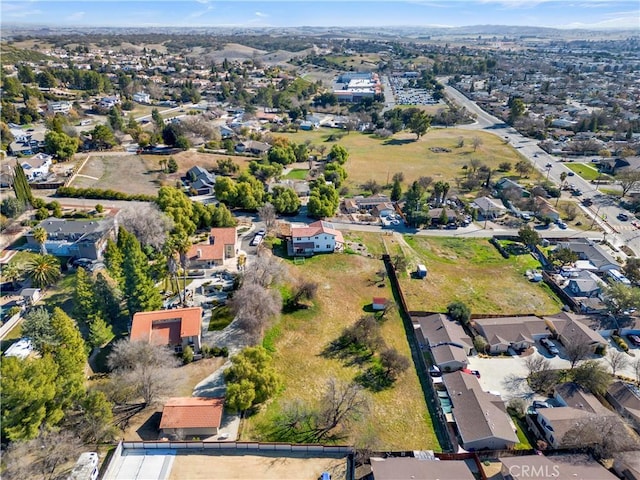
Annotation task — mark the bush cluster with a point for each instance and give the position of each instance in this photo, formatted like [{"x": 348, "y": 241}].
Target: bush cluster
[
  {"x": 102, "y": 194},
  {"x": 620, "y": 342},
  {"x": 500, "y": 248},
  {"x": 208, "y": 352}
]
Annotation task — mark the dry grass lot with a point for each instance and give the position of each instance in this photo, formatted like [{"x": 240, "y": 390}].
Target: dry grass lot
[
  {"x": 398, "y": 418},
  {"x": 472, "y": 270},
  {"x": 266, "y": 466},
  {"x": 374, "y": 158}
]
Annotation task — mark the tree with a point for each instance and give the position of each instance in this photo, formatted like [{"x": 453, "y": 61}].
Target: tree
[
  {"x": 113, "y": 260},
  {"x": 267, "y": 214},
  {"x": 21, "y": 186},
  {"x": 477, "y": 142},
  {"x": 37, "y": 327},
  {"x": 563, "y": 256},
  {"x": 43, "y": 270},
  {"x": 303, "y": 290},
  {"x": 11, "y": 207},
  {"x": 139, "y": 288},
  {"x": 577, "y": 350},
  {"x": 61, "y": 145},
  {"x": 604, "y": 435},
  {"x": 617, "y": 360},
  {"x": 592, "y": 376},
  {"x": 541, "y": 377},
  {"x": 83, "y": 296},
  {"x": 529, "y": 236},
  {"x": 253, "y": 365},
  {"x": 419, "y": 123},
  {"x": 524, "y": 168},
  {"x": 253, "y": 306},
  {"x": 323, "y": 201},
  {"x": 172, "y": 165},
  {"x": 285, "y": 200},
  {"x": 240, "y": 396},
  {"x": 619, "y": 297},
  {"x": 517, "y": 109},
  {"x": 40, "y": 236},
  {"x": 148, "y": 223},
  {"x": 100, "y": 332},
  {"x": 28, "y": 396},
  {"x": 631, "y": 269},
  {"x": 342, "y": 403},
  {"x": 96, "y": 418},
  {"x": 103, "y": 137},
  {"x": 459, "y": 312},
  {"x": 628, "y": 181},
  {"x": 393, "y": 363},
  {"x": 338, "y": 154},
  {"x": 12, "y": 272},
  {"x": 143, "y": 368},
  {"x": 396, "y": 191}
]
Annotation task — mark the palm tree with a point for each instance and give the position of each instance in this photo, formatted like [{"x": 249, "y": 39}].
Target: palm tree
[
  {"x": 180, "y": 245},
  {"x": 40, "y": 236},
  {"x": 44, "y": 270}
]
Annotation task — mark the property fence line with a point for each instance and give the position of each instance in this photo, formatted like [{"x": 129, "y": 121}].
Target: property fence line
[
  {"x": 439, "y": 421},
  {"x": 247, "y": 446},
  {"x": 9, "y": 324},
  {"x": 111, "y": 467}
]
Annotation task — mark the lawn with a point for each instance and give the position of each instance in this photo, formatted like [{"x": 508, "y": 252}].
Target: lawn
[
  {"x": 398, "y": 418},
  {"x": 586, "y": 171},
  {"x": 378, "y": 159},
  {"x": 220, "y": 318},
  {"x": 521, "y": 428},
  {"x": 297, "y": 174},
  {"x": 472, "y": 271}
]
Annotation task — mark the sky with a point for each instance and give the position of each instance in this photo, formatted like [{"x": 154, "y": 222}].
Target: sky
[{"x": 588, "y": 14}]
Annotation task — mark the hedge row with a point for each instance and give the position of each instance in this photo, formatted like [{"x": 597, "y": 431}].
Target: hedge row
[
  {"x": 620, "y": 342},
  {"x": 98, "y": 193},
  {"x": 500, "y": 248}
]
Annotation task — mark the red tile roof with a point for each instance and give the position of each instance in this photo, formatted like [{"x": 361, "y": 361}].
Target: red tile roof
[
  {"x": 379, "y": 300},
  {"x": 166, "y": 327},
  {"x": 192, "y": 412},
  {"x": 214, "y": 250}
]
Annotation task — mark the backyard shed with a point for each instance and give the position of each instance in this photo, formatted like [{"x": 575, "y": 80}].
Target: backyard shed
[{"x": 421, "y": 271}]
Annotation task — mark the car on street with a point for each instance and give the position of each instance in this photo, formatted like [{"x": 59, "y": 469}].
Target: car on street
[
  {"x": 562, "y": 225},
  {"x": 587, "y": 202},
  {"x": 634, "y": 339},
  {"x": 571, "y": 174},
  {"x": 548, "y": 165},
  {"x": 434, "y": 371},
  {"x": 623, "y": 216},
  {"x": 550, "y": 346}
]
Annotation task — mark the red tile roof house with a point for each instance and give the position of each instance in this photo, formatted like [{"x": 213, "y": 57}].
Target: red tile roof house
[
  {"x": 318, "y": 237},
  {"x": 222, "y": 246},
  {"x": 175, "y": 328},
  {"x": 192, "y": 416}
]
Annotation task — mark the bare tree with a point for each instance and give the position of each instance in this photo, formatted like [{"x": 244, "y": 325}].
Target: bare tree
[
  {"x": 265, "y": 270},
  {"x": 603, "y": 435},
  {"x": 267, "y": 214},
  {"x": 476, "y": 142},
  {"x": 577, "y": 350},
  {"x": 42, "y": 457},
  {"x": 628, "y": 181},
  {"x": 149, "y": 225},
  {"x": 143, "y": 368},
  {"x": 253, "y": 306},
  {"x": 304, "y": 290},
  {"x": 394, "y": 363},
  {"x": 617, "y": 360},
  {"x": 342, "y": 404},
  {"x": 541, "y": 377}
]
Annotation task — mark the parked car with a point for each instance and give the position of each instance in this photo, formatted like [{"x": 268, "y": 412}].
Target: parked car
[
  {"x": 434, "y": 371},
  {"x": 623, "y": 216},
  {"x": 562, "y": 225},
  {"x": 550, "y": 346},
  {"x": 541, "y": 404},
  {"x": 262, "y": 232},
  {"x": 257, "y": 240},
  {"x": 587, "y": 202},
  {"x": 570, "y": 173},
  {"x": 634, "y": 339}
]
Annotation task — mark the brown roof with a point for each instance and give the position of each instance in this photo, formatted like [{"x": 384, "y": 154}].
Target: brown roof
[
  {"x": 574, "y": 396},
  {"x": 407, "y": 468},
  {"x": 447, "y": 339},
  {"x": 166, "y": 327},
  {"x": 569, "y": 326},
  {"x": 511, "y": 329},
  {"x": 626, "y": 396},
  {"x": 192, "y": 412}
]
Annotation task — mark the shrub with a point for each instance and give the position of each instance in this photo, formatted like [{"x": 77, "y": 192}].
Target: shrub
[
  {"x": 13, "y": 310},
  {"x": 620, "y": 342},
  {"x": 499, "y": 247},
  {"x": 97, "y": 193},
  {"x": 187, "y": 355},
  {"x": 480, "y": 344},
  {"x": 99, "y": 208}
]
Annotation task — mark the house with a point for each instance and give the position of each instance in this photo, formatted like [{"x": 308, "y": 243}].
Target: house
[
  {"x": 176, "y": 328},
  {"x": 617, "y": 165},
  {"x": 558, "y": 467},
  {"x": 317, "y": 237},
  {"x": 379, "y": 303},
  {"x": 584, "y": 284},
  {"x": 518, "y": 333},
  {"x": 505, "y": 185},
  {"x": 627, "y": 464},
  {"x": 383, "y": 210},
  {"x": 76, "y": 238},
  {"x": 142, "y": 97},
  {"x": 350, "y": 205},
  {"x": 63, "y": 108},
  {"x": 481, "y": 418},
  {"x": 192, "y": 416},
  {"x": 30, "y": 296},
  {"x": 571, "y": 329},
  {"x": 306, "y": 125},
  {"x": 412, "y": 468},
  {"x": 369, "y": 203},
  {"x": 488, "y": 207},
  {"x": 201, "y": 180},
  {"x": 448, "y": 342},
  {"x": 222, "y": 246},
  {"x": 625, "y": 398},
  {"x": 544, "y": 209},
  {"x": 577, "y": 407},
  {"x": 37, "y": 166},
  {"x": 109, "y": 102},
  {"x": 435, "y": 215},
  {"x": 252, "y": 146},
  {"x": 226, "y": 132},
  {"x": 590, "y": 252}
]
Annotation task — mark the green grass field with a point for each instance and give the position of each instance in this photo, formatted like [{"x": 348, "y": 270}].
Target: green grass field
[
  {"x": 398, "y": 418},
  {"x": 586, "y": 171},
  {"x": 472, "y": 271},
  {"x": 297, "y": 174},
  {"x": 377, "y": 159}
]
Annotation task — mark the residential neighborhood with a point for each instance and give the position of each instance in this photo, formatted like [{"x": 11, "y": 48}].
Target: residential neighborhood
[{"x": 249, "y": 249}]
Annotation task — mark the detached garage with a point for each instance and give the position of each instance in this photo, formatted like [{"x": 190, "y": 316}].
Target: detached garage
[{"x": 192, "y": 416}]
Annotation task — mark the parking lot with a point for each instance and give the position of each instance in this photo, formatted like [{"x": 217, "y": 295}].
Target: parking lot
[{"x": 406, "y": 95}]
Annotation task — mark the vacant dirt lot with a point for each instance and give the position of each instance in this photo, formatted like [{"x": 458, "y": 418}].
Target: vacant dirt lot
[
  {"x": 123, "y": 173},
  {"x": 258, "y": 467}
]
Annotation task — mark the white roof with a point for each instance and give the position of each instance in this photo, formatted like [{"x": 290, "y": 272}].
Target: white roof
[{"x": 21, "y": 349}]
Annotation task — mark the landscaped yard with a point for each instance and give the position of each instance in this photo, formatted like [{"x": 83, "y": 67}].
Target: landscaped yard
[
  {"x": 398, "y": 418},
  {"x": 472, "y": 271},
  {"x": 378, "y": 159},
  {"x": 586, "y": 171},
  {"x": 297, "y": 174}
]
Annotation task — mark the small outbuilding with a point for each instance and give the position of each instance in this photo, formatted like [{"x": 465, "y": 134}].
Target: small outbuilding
[
  {"x": 421, "y": 271},
  {"x": 30, "y": 296},
  {"x": 378, "y": 303},
  {"x": 192, "y": 416}
]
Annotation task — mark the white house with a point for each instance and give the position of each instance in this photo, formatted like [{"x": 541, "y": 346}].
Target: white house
[
  {"x": 37, "y": 166},
  {"x": 59, "y": 107},
  {"x": 318, "y": 237},
  {"x": 142, "y": 97}
]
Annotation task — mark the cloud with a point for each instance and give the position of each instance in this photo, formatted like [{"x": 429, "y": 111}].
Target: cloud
[
  {"x": 200, "y": 13},
  {"x": 19, "y": 10},
  {"x": 261, "y": 15},
  {"x": 76, "y": 16}
]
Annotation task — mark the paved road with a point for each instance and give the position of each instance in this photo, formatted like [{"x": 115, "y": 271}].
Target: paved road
[{"x": 605, "y": 208}]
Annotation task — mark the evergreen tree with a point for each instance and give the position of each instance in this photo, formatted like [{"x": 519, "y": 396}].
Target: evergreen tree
[
  {"x": 99, "y": 331},
  {"x": 113, "y": 260},
  {"x": 139, "y": 289},
  {"x": 107, "y": 297},
  {"x": 396, "y": 191},
  {"x": 83, "y": 296},
  {"x": 71, "y": 357},
  {"x": 21, "y": 186}
]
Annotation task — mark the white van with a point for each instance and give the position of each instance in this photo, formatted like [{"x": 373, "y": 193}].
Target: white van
[{"x": 86, "y": 467}]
